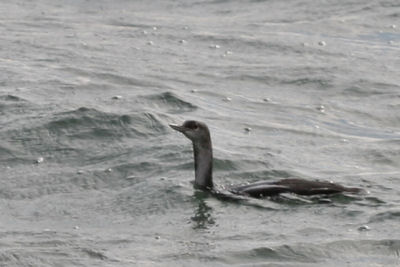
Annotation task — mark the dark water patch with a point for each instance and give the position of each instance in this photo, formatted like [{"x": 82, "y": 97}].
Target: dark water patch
[
  {"x": 394, "y": 15},
  {"x": 367, "y": 88},
  {"x": 270, "y": 254},
  {"x": 360, "y": 91},
  {"x": 382, "y": 156},
  {"x": 203, "y": 214},
  {"x": 94, "y": 254},
  {"x": 246, "y": 44},
  {"x": 308, "y": 81},
  {"x": 371, "y": 201},
  {"x": 169, "y": 102},
  {"x": 11, "y": 104},
  {"x": 340, "y": 252},
  {"x": 11, "y": 98},
  {"x": 384, "y": 216},
  {"x": 351, "y": 213},
  {"x": 16, "y": 257}
]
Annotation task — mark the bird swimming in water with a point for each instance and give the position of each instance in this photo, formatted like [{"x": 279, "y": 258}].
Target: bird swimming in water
[{"x": 199, "y": 134}]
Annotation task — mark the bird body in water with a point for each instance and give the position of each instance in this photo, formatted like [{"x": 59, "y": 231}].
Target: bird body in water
[{"x": 199, "y": 134}]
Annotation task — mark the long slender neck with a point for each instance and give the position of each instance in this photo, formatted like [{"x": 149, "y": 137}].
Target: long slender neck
[{"x": 203, "y": 162}]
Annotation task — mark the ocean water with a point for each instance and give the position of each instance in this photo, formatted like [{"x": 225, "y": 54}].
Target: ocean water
[{"x": 91, "y": 174}]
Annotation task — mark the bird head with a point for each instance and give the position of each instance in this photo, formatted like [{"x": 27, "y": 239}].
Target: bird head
[{"x": 194, "y": 130}]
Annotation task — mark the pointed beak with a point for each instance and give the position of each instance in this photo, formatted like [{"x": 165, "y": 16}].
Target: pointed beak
[{"x": 178, "y": 128}]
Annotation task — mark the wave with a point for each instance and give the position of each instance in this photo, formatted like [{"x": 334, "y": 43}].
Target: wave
[
  {"x": 340, "y": 252},
  {"x": 167, "y": 101},
  {"x": 387, "y": 215},
  {"x": 12, "y": 104},
  {"x": 91, "y": 123},
  {"x": 79, "y": 134}
]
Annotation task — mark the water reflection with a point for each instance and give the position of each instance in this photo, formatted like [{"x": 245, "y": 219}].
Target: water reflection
[{"x": 202, "y": 218}]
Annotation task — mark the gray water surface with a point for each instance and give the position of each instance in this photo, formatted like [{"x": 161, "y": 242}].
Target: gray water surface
[{"x": 91, "y": 174}]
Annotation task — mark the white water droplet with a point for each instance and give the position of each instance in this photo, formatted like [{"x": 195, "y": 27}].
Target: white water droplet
[
  {"x": 39, "y": 160},
  {"x": 321, "y": 108}
]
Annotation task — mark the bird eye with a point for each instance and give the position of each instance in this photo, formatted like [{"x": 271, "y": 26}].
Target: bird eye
[{"x": 192, "y": 125}]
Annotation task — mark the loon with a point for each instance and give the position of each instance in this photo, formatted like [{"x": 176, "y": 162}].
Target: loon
[{"x": 199, "y": 134}]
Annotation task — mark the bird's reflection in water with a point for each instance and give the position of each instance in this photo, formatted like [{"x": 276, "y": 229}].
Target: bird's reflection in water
[{"x": 202, "y": 218}]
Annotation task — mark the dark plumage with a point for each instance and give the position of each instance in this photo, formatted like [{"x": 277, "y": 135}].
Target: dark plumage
[{"x": 199, "y": 134}]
